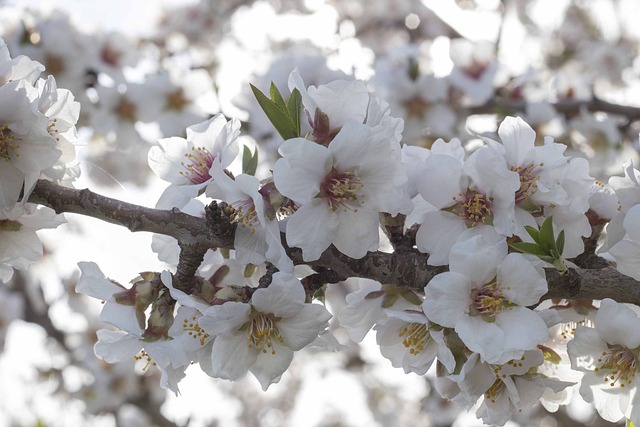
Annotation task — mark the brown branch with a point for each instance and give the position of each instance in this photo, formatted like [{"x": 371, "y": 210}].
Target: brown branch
[
  {"x": 566, "y": 107},
  {"x": 407, "y": 268},
  {"x": 187, "y": 229}
]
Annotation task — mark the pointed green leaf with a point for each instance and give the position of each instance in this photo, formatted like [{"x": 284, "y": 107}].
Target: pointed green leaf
[
  {"x": 278, "y": 117},
  {"x": 249, "y": 161},
  {"x": 529, "y": 248},
  {"x": 560, "y": 243},
  {"x": 547, "y": 240},
  {"x": 294, "y": 106},
  {"x": 410, "y": 296},
  {"x": 276, "y": 97},
  {"x": 550, "y": 355},
  {"x": 389, "y": 300},
  {"x": 374, "y": 294},
  {"x": 535, "y": 234},
  {"x": 629, "y": 423},
  {"x": 548, "y": 259}
]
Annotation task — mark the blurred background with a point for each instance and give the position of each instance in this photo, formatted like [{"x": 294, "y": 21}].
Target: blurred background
[{"x": 147, "y": 69}]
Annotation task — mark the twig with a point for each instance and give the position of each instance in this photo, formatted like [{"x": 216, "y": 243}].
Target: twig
[{"x": 567, "y": 107}]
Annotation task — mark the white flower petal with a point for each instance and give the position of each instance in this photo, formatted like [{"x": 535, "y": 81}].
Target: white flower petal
[
  {"x": 312, "y": 228},
  {"x": 520, "y": 281},
  {"x": 116, "y": 346},
  {"x": 300, "y": 330},
  {"x": 225, "y": 319},
  {"x": 478, "y": 258},
  {"x": 284, "y": 297},
  {"x": 618, "y": 324},
  {"x": 231, "y": 357},
  {"x": 486, "y": 339},
  {"x": 447, "y": 298},
  {"x": 301, "y": 170},
  {"x": 270, "y": 366}
]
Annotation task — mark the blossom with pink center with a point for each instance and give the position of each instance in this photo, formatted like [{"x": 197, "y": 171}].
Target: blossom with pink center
[
  {"x": 475, "y": 193},
  {"x": 340, "y": 189},
  {"x": 608, "y": 355},
  {"x": 484, "y": 297},
  {"x": 261, "y": 336},
  {"x": 550, "y": 183},
  {"x": 186, "y": 163},
  {"x": 257, "y": 238},
  {"x": 328, "y": 107}
]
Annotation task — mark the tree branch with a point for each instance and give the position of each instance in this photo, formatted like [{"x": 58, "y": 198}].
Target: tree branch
[
  {"x": 407, "y": 268},
  {"x": 566, "y": 107},
  {"x": 186, "y": 229}
]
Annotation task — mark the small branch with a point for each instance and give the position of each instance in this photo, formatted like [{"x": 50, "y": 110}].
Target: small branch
[
  {"x": 314, "y": 282},
  {"x": 566, "y": 107},
  {"x": 185, "y": 228},
  {"x": 191, "y": 256},
  {"x": 595, "y": 284}
]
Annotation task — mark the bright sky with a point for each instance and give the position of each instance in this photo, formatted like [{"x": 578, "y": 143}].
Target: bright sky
[{"x": 128, "y": 16}]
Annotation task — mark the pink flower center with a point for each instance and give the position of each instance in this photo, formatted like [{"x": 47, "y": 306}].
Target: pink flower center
[
  {"x": 342, "y": 190},
  {"x": 621, "y": 363},
  {"x": 489, "y": 300},
  {"x": 197, "y": 165},
  {"x": 261, "y": 331},
  {"x": 529, "y": 175},
  {"x": 473, "y": 207}
]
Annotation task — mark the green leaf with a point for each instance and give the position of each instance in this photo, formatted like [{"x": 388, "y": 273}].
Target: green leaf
[
  {"x": 550, "y": 355},
  {"x": 549, "y": 259},
  {"x": 629, "y": 423},
  {"x": 529, "y": 248},
  {"x": 548, "y": 241},
  {"x": 560, "y": 243},
  {"x": 249, "y": 269},
  {"x": 294, "y": 106},
  {"x": 249, "y": 161},
  {"x": 535, "y": 234},
  {"x": 374, "y": 294},
  {"x": 276, "y": 97},
  {"x": 389, "y": 300},
  {"x": 410, "y": 296},
  {"x": 279, "y": 117}
]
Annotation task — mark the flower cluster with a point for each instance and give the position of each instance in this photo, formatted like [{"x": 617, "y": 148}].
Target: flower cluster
[
  {"x": 342, "y": 171},
  {"x": 37, "y": 140},
  {"x": 343, "y": 174}
]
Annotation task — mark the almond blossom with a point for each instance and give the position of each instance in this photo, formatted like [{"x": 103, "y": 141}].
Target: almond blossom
[
  {"x": 186, "y": 163},
  {"x": 464, "y": 194},
  {"x": 26, "y": 147},
  {"x": 608, "y": 355},
  {"x": 551, "y": 184},
  {"x": 257, "y": 238},
  {"x": 262, "y": 335},
  {"x": 411, "y": 342},
  {"x": 137, "y": 337},
  {"x": 340, "y": 189},
  {"x": 505, "y": 388},
  {"x": 484, "y": 297}
]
